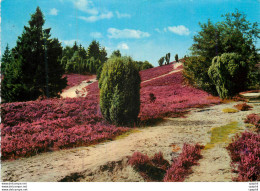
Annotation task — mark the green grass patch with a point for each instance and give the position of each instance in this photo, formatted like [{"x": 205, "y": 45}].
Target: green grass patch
[
  {"x": 223, "y": 134},
  {"x": 229, "y": 110}
]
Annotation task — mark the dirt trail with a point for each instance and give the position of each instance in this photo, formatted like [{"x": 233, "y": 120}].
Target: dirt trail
[
  {"x": 108, "y": 161},
  {"x": 79, "y": 90},
  {"x": 175, "y": 66}
]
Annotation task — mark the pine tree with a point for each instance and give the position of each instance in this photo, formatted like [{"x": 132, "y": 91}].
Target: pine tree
[
  {"x": 94, "y": 50},
  {"x": 6, "y": 59},
  {"x": 37, "y": 63}
]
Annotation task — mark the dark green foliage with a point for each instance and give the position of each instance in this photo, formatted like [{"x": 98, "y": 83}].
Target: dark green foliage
[
  {"x": 94, "y": 50},
  {"x": 176, "y": 58},
  {"x": 233, "y": 35},
  {"x": 36, "y": 68},
  {"x": 143, "y": 65},
  {"x": 161, "y": 61},
  {"x": 77, "y": 60},
  {"x": 6, "y": 59},
  {"x": 120, "y": 91},
  {"x": 196, "y": 72},
  {"x": 228, "y": 72},
  {"x": 167, "y": 58},
  {"x": 116, "y": 53}
]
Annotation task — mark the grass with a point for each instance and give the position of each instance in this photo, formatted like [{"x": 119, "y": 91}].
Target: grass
[
  {"x": 223, "y": 134},
  {"x": 229, "y": 110},
  {"x": 126, "y": 134}
]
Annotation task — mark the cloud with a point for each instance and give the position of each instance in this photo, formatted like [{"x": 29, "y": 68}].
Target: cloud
[
  {"x": 95, "y": 18},
  {"x": 122, "y": 15},
  {"x": 96, "y": 35},
  {"x": 126, "y": 33},
  {"x": 123, "y": 46},
  {"x": 180, "y": 30},
  {"x": 54, "y": 12},
  {"x": 86, "y": 6},
  {"x": 69, "y": 42}
]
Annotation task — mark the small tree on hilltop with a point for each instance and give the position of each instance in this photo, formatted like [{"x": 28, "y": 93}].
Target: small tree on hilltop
[
  {"x": 176, "y": 58},
  {"x": 120, "y": 91},
  {"x": 167, "y": 58},
  {"x": 161, "y": 61}
]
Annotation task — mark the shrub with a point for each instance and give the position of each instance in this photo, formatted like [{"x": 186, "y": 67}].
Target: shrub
[
  {"x": 120, "y": 91},
  {"x": 253, "y": 119},
  {"x": 245, "y": 152},
  {"x": 228, "y": 73},
  {"x": 243, "y": 107},
  {"x": 181, "y": 166},
  {"x": 159, "y": 169},
  {"x": 196, "y": 73},
  {"x": 150, "y": 169}
]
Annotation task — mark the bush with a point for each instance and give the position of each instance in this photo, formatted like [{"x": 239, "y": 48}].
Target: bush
[
  {"x": 253, "y": 119},
  {"x": 229, "y": 73},
  {"x": 181, "y": 166},
  {"x": 245, "y": 152},
  {"x": 120, "y": 91},
  {"x": 151, "y": 169},
  {"x": 243, "y": 107},
  {"x": 196, "y": 73}
]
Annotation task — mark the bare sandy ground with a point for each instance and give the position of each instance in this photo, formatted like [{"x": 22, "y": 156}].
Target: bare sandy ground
[
  {"x": 108, "y": 161},
  {"x": 77, "y": 91}
]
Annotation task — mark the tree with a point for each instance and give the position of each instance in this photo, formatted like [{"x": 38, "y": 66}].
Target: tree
[
  {"x": 94, "y": 50},
  {"x": 6, "y": 59},
  {"x": 161, "y": 61},
  {"x": 120, "y": 91},
  {"x": 116, "y": 53},
  {"x": 232, "y": 35},
  {"x": 36, "y": 60},
  {"x": 176, "y": 58},
  {"x": 167, "y": 58},
  {"x": 229, "y": 73}
]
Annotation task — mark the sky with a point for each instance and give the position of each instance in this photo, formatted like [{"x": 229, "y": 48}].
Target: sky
[{"x": 142, "y": 29}]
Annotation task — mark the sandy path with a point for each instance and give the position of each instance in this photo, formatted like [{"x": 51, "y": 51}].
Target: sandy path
[
  {"x": 82, "y": 92},
  {"x": 175, "y": 66},
  {"x": 108, "y": 161}
]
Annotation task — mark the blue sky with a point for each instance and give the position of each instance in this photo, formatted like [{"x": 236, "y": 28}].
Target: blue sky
[{"x": 143, "y": 29}]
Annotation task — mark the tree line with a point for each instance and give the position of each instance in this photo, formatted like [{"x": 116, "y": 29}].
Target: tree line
[{"x": 35, "y": 67}]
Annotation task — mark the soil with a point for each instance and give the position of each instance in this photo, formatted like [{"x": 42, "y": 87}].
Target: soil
[
  {"x": 107, "y": 161},
  {"x": 79, "y": 90}
]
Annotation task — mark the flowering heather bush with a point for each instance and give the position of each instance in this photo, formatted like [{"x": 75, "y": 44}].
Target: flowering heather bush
[
  {"x": 245, "y": 155},
  {"x": 32, "y": 127},
  {"x": 155, "y": 72},
  {"x": 158, "y": 169},
  {"x": 243, "y": 107},
  {"x": 253, "y": 119},
  {"x": 76, "y": 79},
  {"x": 181, "y": 166},
  {"x": 172, "y": 97},
  {"x": 150, "y": 169}
]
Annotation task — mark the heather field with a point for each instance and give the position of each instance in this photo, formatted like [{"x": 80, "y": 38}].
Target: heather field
[
  {"x": 61, "y": 125},
  {"x": 33, "y": 127}
]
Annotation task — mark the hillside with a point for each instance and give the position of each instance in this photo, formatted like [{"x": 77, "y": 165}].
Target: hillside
[{"x": 178, "y": 114}]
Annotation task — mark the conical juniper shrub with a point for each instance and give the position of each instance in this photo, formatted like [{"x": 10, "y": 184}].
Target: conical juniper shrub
[
  {"x": 119, "y": 85},
  {"x": 229, "y": 73}
]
